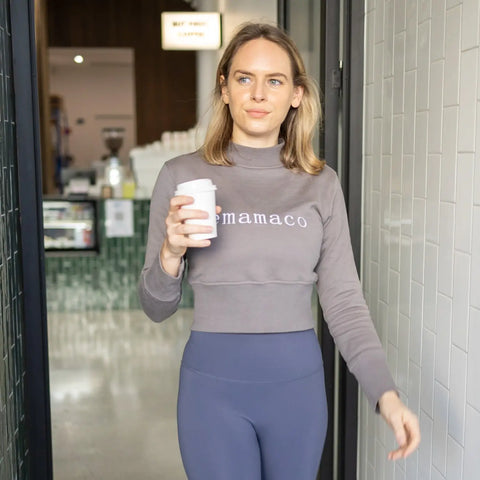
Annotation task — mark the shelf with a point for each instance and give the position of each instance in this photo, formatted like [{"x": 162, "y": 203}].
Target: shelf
[{"x": 68, "y": 225}]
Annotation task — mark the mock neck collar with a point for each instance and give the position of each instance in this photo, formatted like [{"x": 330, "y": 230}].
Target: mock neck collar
[{"x": 252, "y": 157}]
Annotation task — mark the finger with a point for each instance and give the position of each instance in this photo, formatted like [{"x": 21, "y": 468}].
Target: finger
[
  {"x": 182, "y": 214},
  {"x": 399, "y": 431},
  {"x": 179, "y": 200},
  {"x": 413, "y": 430},
  {"x": 187, "y": 213},
  {"x": 197, "y": 243},
  {"x": 189, "y": 228},
  {"x": 396, "y": 454},
  {"x": 218, "y": 209},
  {"x": 182, "y": 242},
  {"x": 412, "y": 442}
]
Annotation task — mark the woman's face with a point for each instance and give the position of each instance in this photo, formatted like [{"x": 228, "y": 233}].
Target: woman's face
[{"x": 259, "y": 92}]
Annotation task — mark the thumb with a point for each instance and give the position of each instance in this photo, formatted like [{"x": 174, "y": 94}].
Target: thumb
[{"x": 399, "y": 431}]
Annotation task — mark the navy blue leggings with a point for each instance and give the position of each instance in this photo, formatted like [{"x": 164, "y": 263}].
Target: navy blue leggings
[{"x": 252, "y": 406}]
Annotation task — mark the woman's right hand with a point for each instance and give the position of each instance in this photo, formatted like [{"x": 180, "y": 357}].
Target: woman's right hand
[{"x": 177, "y": 240}]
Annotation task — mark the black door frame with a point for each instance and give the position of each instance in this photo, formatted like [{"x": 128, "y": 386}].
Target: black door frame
[
  {"x": 342, "y": 104},
  {"x": 343, "y": 90},
  {"x": 37, "y": 395}
]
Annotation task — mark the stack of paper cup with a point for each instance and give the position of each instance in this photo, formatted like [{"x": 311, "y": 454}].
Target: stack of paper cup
[{"x": 203, "y": 193}]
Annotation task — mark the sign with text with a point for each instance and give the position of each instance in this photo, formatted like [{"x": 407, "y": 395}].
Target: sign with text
[
  {"x": 118, "y": 218},
  {"x": 191, "y": 31}
]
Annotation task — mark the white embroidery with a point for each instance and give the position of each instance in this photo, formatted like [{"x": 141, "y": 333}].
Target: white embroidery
[{"x": 231, "y": 218}]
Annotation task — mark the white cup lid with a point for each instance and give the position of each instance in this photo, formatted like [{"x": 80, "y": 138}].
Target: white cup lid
[{"x": 195, "y": 186}]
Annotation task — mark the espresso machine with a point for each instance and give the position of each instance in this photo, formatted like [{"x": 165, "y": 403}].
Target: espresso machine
[
  {"x": 113, "y": 139},
  {"x": 114, "y": 172}
]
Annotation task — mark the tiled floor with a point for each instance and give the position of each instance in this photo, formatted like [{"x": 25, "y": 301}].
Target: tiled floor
[{"x": 113, "y": 387}]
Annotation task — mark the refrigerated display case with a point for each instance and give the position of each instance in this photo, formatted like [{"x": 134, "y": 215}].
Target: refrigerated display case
[{"x": 70, "y": 225}]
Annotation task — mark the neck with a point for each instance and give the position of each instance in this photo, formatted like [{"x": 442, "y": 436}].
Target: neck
[{"x": 256, "y": 157}]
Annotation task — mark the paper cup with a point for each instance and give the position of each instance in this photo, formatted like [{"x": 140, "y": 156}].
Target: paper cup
[{"x": 203, "y": 193}]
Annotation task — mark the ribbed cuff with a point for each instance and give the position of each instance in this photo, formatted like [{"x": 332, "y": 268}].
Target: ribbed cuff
[
  {"x": 160, "y": 284},
  {"x": 374, "y": 378}
]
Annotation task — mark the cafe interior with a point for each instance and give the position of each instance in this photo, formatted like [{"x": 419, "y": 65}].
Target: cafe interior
[{"x": 117, "y": 100}]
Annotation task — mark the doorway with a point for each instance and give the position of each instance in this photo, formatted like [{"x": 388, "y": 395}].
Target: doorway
[
  {"x": 329, "y": 15},
  {"x": 330, "y": 35}
]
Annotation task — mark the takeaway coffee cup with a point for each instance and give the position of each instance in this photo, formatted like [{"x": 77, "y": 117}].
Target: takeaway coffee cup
[{"x": 203, "y": 193}]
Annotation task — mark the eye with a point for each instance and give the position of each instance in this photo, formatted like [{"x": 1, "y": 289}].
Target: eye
[
  {"x": 275, "y": 82},
  {"x": 243, "y": 80}
]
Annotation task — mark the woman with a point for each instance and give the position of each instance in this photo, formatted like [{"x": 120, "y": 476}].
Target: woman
[{"x": 252, "y": 400}]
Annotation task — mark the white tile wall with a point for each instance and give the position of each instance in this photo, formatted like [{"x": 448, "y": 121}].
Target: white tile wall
[
  {"x": 458, "y": 394},
  {"x": 400, "y": 16},
  {"x": 433, "y": 198},
  {"x": 440, "y": 427},
  {"x": 397, "y": 153},
  {"x": 476, "y": 193},
  {"x": 473, "y": 360},
  {"x": 422, "y": 229},
  {"x": 409, "y": 113},
  {"x": 403, "y": 353},
  {"x": 454, "y": 459},
  {"x": 424, "y": 10},
  {"x": 399, "y": 473},
  {"x": 435, "y": 92},
  {"x": 416, "y": 323},
  {"x": 420, "y": 161},
  {"x": 411, "y": 37},
  {"x": 393, "y": 288},
  {"x": 398, "y": 71},
  {"x": 475, "y": 271},
  {"x": 407, "y": 195},
  {"x": 444, "y": 340},
  {"x": 438, "y": 30},
  {"x": 445, "y": 248},
  {"x": 427, "y": 377},
  {"x": 470, "y": 20},
  {"x": 425, "y": 449},
  {"x": 468, "y": 90},
  {"x": 405, "y": 266},
  {"x": 472, "y": 457},
  {"x": 395, "y": 213},
  {"x": 449, "y": 154},
  {"x": 379, "y": 16},
  {"x": 464, "y": 203},
  {"x": 461, "y": 295},
  {"x": 418, "y": 243},
  {"x": 388, "y": 40},
  {"x": 423, "y": 62},
  {"x": 452, "y": 55},
  {"x": 430, "y": 287}
]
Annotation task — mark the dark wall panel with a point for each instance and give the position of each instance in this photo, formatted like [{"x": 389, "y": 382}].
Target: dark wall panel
[
  {"x": 13, "y": 448},
  {"x": 165, "y": 81}
]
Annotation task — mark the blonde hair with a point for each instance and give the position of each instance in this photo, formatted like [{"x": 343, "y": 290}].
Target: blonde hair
[{"x": 299, "y": 125}]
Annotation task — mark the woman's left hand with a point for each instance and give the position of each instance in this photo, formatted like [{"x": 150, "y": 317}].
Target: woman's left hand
[{"x": 402, "y": 421}]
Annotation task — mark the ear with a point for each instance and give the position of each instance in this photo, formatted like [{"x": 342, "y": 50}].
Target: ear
[
  {"x": 224, "y": 88},
  {"x": 297, "y": 96}
]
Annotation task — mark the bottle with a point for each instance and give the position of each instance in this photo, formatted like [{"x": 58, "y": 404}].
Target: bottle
[
  {"x": 129, "y": 187},
  {"x": 114, "y": 177}
]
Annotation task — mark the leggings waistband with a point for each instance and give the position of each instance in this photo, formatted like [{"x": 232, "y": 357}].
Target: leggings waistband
[{"x": 254, "y": 356}]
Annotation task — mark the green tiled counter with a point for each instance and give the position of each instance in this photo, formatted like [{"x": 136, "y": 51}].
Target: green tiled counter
[{"x": 107, "y": 281}]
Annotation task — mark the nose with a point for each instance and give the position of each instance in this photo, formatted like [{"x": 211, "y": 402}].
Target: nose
[{"x": 258, "y": 92}]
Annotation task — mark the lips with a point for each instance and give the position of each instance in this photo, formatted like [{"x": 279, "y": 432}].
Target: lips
[{"x": 257, "y": 113}]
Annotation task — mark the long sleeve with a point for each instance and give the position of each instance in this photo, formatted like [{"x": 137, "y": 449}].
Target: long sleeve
[
  {"x": 344, "y": 306},
  {"x": 158, "y": 291}
]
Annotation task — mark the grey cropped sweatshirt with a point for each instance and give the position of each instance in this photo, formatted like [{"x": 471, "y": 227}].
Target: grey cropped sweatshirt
[{"x": 279, "y": 234}]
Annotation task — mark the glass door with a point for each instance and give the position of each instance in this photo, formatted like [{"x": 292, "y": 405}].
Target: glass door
[{"x": 329, "y": 34}]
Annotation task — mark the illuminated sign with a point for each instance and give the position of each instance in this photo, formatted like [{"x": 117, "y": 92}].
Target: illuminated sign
[{"x": 191, "y": 31}]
